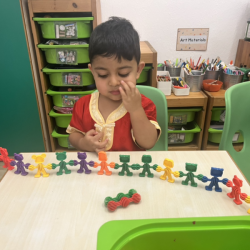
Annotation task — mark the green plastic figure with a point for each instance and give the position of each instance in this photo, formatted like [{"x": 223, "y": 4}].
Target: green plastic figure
[
  {"x": 190, "y": 167},
  {"x": 125, "y": 167},
  {"x": 61, "y": 157},
  {"x": 146, "y": 167}
]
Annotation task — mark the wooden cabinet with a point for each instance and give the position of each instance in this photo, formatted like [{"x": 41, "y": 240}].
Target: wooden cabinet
[{"x": 243, "y": 54}]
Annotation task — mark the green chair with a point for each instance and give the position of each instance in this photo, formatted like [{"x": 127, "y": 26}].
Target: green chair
[
  {"x": 237, "y": 118},
  {"x": 160, "y": 102}
]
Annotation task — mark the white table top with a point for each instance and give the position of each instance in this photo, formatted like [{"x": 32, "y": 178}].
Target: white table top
[{"x": 66, "y": 212}]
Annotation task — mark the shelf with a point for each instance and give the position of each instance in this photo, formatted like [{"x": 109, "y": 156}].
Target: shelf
[
  {"x": 215, "y": 146},
  {"x": 183, "y": 147},
  {"x": 219, "y": 98}
]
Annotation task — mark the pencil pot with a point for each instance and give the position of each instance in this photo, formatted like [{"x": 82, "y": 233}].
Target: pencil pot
[
  {"x": 194, "y": 81},
  {"x": 230, "y": 80},
  {"x": 174, "y": 71},
  {"x": 209, "y": 74}
]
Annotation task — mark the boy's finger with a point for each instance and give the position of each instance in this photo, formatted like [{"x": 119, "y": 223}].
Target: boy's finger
[
  {"x": 97, "y": 150},
  {"x": 126, "y": 87},
  {"x": 92, "y": 132},
  {"x": 99, "y": 136},
  {"x": 102, "y": 144},
  {"x": 122, "y": 92}
]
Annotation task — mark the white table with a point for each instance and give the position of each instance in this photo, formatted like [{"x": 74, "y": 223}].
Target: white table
[{"x": 66, "y": 212}]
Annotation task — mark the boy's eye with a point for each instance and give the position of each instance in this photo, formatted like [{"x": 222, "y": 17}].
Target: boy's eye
[
  {"x": 102, "y": 76},
  {"x": 121, "y": 75}
]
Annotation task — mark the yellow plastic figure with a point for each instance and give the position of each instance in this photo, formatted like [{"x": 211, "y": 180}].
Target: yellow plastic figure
[
  {"x": 41, "y": 168},
  {"x": 247, "y": 200},
  {"x": 168, "y": 172}
]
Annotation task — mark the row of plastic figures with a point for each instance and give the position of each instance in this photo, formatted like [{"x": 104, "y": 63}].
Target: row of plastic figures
[{"x": 236, "y": 184}]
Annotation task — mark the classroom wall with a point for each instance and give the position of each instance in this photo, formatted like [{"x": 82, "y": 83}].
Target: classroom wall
[{"x": 158, "y": 21}]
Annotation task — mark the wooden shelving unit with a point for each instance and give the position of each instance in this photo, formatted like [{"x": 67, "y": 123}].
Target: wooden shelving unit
[{"x": 194, "y": 100}]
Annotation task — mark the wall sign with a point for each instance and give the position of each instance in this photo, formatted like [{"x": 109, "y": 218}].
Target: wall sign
[{"x": 192, "y": 39}]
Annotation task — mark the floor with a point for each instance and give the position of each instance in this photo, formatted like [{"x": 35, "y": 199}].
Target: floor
[{"x": 2, "y": 170}]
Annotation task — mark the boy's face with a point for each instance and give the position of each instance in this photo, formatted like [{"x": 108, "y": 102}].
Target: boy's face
[{"x": 108, "y": 73}]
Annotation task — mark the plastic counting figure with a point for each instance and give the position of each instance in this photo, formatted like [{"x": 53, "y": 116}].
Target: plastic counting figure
[
  {"x": 215, "y": 172},
  {"x": 40, "y": 167},
  {"x": 125, "y": 167},
  {"x": 63, "y": 164},
  {"x": 167, "y": 171},
  {"x": 119, "y": 196},
  {"x": 236, "y": 191},
  {"x": 20, "y": 165},
  {"x": 104, "y": 165},
  {"x": 6, "y": 160},
  {"x": 83, "y": 163},
  {"x": 124, "y": 202},
  {"x": 190, "y": 176},
  {"x": 247, "y": 200},
  {"x": 146, "y": 167}
]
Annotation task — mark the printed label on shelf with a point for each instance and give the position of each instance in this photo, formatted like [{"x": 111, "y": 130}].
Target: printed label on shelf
[
  {"x": 222, "y": 116},
  {"x": 66, "y": 56},
  {"x": 70, "y": 100},
  {"x": 69, "y": 144},
  {"x": 65, "y": 30},
  {"x": 178, "y": 119},
  {"x": 176, "y": 138},
  {"x": 72, "y": 79},
  {"x": 236, "y": 137}
]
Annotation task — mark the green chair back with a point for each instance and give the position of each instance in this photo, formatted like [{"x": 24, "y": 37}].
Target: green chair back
[{"x": 237, "y": 118}]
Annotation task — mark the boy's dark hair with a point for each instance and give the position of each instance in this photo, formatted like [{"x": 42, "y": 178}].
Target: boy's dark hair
[{"x": 115, "y": 37}]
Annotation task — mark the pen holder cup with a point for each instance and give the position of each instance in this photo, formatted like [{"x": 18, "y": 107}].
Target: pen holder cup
[
  {"x": 194, "y": 82},
  {"x": 212, "y": 74},
  {"x": 230, "y": 80},
  {"x": 174, "y": 71}
]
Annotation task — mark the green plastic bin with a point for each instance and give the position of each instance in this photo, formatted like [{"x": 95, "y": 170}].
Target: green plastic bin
[
  {"x": 62, "y": 137},
  {"x": 144, "y": 75},
  {"x": 216, "y": 112},
  {"x": 62, "y": 120},
  {"x": 65, "y": 98},
  {"x": 80, "y": 51},
  {"x": 214, "y": 135},
  {"x": 51, "y": 27},
  {"x": 61, "y": 77},
  {"x": 181, "y": 116},
  {"x": 204, "y": 233},
  {"x": 183, "y": 136}
]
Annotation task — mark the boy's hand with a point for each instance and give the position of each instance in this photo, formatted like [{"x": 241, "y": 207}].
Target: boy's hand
[
  {"x": 92, "y": 142},
  {"x": 131, "y": 96}
]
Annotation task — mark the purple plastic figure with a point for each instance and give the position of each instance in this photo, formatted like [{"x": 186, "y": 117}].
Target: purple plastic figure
[
  {"x": 20, "y": 165},
  {"x": 83, "y": 163}
]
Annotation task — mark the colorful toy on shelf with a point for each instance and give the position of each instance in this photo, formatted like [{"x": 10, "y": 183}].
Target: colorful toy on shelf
[
  {"x": 119, "y": 196},
  {"x": 104, "y": 165},
  {"x": 20, "y": 165},
  {"x": 169, "y": 164},
  {"x": 215, "y": 172},
  {"x": 61, "y": 156},
  {"x": 190, "y": 167},
  {"x": 125, "y": 167},
  {"x": 40, "y": 167},
  {"x": 247, "y": 200},
  {"x": 146, "y": 159},
  {"x": 236, "y": 190},
  {"x": 83, "y": 163},
  {"x": 5, "y": 158}
]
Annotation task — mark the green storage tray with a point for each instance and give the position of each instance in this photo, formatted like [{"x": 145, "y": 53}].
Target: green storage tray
[
  {"x": 216, "y": 112},
  {"x": 57, "y": 76},
  {"x": 62, "y": 120},
  {"x": 62, "y": 137},
  {"x": 65, "y": 98},
  {"x": 183, "y": 136},
  {"x": 214, "y": 135},
  {"x": 144, "y": 75},
  {"x": 48, "y": 26},
  {"x": 81, "y": 50},
  {"x": 205, "y": 233},
  {"x": 181, "y": 116}
]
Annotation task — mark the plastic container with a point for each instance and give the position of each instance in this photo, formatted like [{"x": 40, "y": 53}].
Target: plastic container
[
  {"x": 65, "y": 76},
  {"x": 165, "y": 87},
  {"x": 216, "y": 112},
  {"x": 180, "y": 92},
  {"x": 212, "y": 74},
  {"x": 56, "y": 28},
  {"x": 62, "y": 120},
  {"x": 183, "y": 136},
  {"x": 214, "y": 135},
  {"x": 144, "y": 75},
  {"x": 174, "y": 72},
  {"x": 212, "y": 87},
  {"x": 62, "y": 137},
  {"x": 65, "y": 98},
  {"x": 204, "y": 233},
  {"x": 230, "y": 80},
  {"x": 181, "y": 116},
  {"x": 160, "y": 67},
  {"x": 52, "y": 53},
  {"x": 194, "y": 81}
]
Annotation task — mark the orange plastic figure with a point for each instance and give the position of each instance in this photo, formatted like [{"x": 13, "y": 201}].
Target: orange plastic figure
[
  {"x": 167, "y": 171},
  {"x": 247, "y": 200},
  {"x": 104, "y": 165},
  {"x": 6, "y": 160},
  {"x": 41, "y": 168}
]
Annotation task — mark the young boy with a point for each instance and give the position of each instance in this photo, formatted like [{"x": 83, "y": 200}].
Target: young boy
[{"x": 117, "y": 117}]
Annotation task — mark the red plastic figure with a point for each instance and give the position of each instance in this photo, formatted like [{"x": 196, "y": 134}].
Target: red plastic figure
[
  {"x": 6, "y": 160},
  {"x": 236, "y": 191},
  {"x": 104, "y": 165}
]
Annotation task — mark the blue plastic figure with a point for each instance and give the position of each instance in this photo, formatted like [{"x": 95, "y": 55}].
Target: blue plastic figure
[
  {"x": 216, "y": 172},
  {"x": 20, "y": 165},
  {"x": 83, "y": 163}
]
